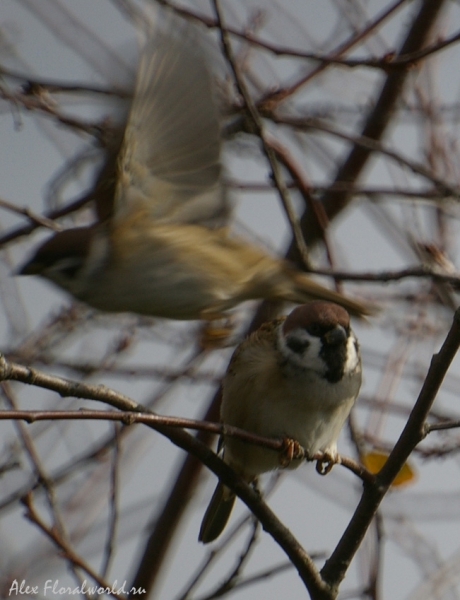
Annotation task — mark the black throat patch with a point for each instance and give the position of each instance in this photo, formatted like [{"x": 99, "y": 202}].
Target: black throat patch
[{"x": 335, "y": 358}]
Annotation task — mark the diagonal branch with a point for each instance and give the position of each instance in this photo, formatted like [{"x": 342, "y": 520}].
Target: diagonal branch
[
  {"x": 75, "y": 560},
  {"x": 281, "y": 534},
  {"x": 336, "y": 566},
  {"x": 257, "y": 126},
  {"x": 172, "y": 427},
  {"x": 375, "y": 126}
]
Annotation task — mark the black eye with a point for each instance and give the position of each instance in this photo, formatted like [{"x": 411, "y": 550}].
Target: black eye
[
  {"x": 70, "y": 272},
  {"x": 68, "y": 267},
  {"x": 297, "y": 345}
]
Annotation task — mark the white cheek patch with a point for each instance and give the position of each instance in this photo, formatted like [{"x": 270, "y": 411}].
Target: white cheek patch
[
  {"x": 352, "y": 354},
  {"x": 310, "y": 357}
]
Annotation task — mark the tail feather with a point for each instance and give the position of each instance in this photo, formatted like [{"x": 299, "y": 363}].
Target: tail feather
[
  {"x": 217, "y": 514},
  {"x": 306, "y": 289},
  {"x": 274, "y": 279}
]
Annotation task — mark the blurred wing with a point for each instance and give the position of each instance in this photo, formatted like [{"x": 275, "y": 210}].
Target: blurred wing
[{"x": 169, "y": 163}]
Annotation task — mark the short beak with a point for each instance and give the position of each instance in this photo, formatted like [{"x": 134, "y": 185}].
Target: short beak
[{"x": 336, "y": 336}]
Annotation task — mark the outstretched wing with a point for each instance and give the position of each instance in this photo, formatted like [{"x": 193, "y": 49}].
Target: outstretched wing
[{"x": 169, "y": 162}]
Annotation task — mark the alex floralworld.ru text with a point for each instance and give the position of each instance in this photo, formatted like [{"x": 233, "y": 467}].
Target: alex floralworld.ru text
[{"x": 54, "y": 588}]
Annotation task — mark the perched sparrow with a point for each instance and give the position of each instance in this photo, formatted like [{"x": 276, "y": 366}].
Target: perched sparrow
[
  {"x": 296, "y": 378},
  {"x": 162, "y": 249}
]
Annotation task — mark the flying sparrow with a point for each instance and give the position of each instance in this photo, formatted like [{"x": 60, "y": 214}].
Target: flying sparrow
[
  {"x": 162, "y": 248},
  {"x": 296, "y": 379}
]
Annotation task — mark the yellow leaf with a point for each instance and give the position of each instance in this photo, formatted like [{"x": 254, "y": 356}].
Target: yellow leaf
[{"x": 374, "y": 461}]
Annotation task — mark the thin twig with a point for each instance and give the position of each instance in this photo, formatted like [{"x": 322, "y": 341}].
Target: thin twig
[
  {"x": 371, "y": 145},
  {"x": 95, "y": 129},
  {"x": 51, "y": 215},
  {"x": 128, "y": 417},
  {"x": 231, "y": 580},
  {"x": 342, "y": 186},
  {"x": 41, "y": 475},
  {"x": 68, "y": 551},
  {"x": 62, "y": 474},
  {"x": 113, "y": 505},
  {"x": 386, "y": 62},
  {"x": 33, "y": 85},
  {"x": 27, "y": 212},
  {"x": 303, "y": 187},
  {"x": 419, "y": 272},
  {"x": 259, "y": 130},
  {"x": 442, "y": 426}
]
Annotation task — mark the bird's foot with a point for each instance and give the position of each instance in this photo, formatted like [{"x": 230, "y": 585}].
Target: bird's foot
[
  {"x": 216, "y": 333},
  {"x": 291, "y": 450},
  {"x": 326, "y": 461}
]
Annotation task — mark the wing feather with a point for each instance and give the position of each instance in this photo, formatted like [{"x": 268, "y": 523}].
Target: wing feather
[{"x": 169, "y": 163}]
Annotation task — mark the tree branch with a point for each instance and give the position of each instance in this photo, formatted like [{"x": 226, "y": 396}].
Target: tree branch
[
  {"x": 414, "y": 431},
  {"x": 171, "y": 427},
  {"x": 75, "y": 560}
]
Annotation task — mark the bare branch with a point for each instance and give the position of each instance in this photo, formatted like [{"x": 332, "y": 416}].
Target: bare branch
[
  {"x": 69, "y": 553},
  {"x": 257, "y": 125},
  {"x": 33, "y": 86},
  {"x": 420, "y": 272},
  {"x": 43, "y": 105},
  {"x": 442, "y": 426},
  {"x": 38, "y": 220},
  {"x": 336, "y": 566},
  {"x": 160, "y": 422},
  {"x": 166, "y": 425}
]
